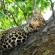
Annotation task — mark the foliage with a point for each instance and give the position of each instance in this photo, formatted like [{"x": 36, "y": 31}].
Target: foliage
[{"x": 17, "y": 12}]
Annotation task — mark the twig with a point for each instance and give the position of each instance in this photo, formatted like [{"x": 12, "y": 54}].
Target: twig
[
  {"x": 6, "y": 12},
  {"x": 10, "y": 14},
  {"x": 21, "y": 9}
]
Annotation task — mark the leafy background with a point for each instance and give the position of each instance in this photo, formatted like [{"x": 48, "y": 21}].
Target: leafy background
[{"x": 17, "y": 12}]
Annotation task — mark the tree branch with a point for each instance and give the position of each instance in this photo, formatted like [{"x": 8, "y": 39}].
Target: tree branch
[{"x": 52, "y": 5}]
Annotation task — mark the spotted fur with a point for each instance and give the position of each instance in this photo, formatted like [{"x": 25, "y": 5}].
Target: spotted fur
[{"x": 12, "y": 38}]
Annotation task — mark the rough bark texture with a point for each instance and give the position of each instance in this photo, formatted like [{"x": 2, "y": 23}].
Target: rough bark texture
[{"x": 39, "y": 43}]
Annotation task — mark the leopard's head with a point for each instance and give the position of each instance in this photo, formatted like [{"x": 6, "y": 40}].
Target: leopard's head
[{"x": 36, "y": 23}]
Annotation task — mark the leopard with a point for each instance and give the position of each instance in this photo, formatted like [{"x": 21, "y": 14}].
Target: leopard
[{"x": 14, "y": 37}]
